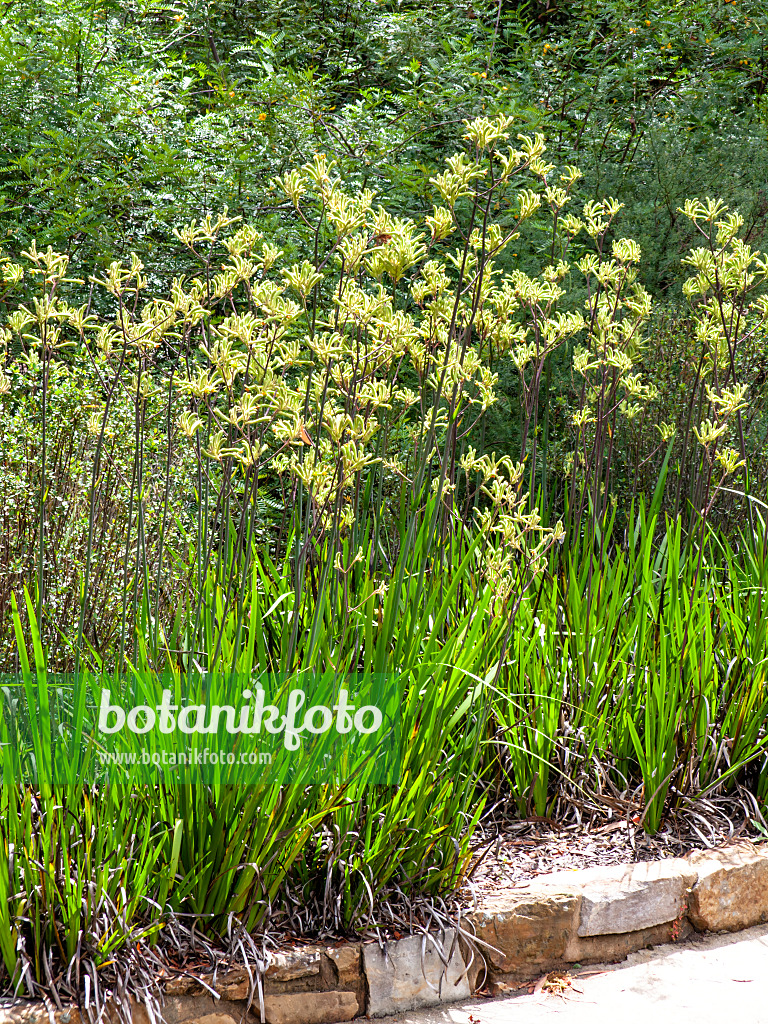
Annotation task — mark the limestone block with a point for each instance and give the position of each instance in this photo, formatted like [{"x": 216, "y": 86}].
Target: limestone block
[
  {"x": 732, "y": 888},
  {"x": 628, "y": 897},
  {"x": 311, "y": 1008},
  {"x": 526, "y": 929},
  {"x": 410, "y": 973}
]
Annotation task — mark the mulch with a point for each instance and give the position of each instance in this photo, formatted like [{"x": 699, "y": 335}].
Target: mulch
[{"x": 519, "y": 852}]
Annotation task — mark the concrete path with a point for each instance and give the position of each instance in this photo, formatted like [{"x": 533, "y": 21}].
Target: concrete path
[{"x": 715, "y": 979}]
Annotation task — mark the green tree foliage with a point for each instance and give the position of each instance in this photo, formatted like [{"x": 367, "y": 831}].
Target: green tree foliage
[
  {"x": 122, "y": 121},
  {"x": 655, "y": 102}
]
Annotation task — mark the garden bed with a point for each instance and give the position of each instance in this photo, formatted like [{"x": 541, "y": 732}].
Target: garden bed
[{"x": 523, "y": 932}]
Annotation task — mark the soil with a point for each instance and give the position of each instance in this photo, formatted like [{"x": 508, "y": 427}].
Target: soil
[{"x": 524, "y": 850}]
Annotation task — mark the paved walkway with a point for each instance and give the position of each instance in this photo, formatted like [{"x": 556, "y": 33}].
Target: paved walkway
[{"x": 715, "y": 979}]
